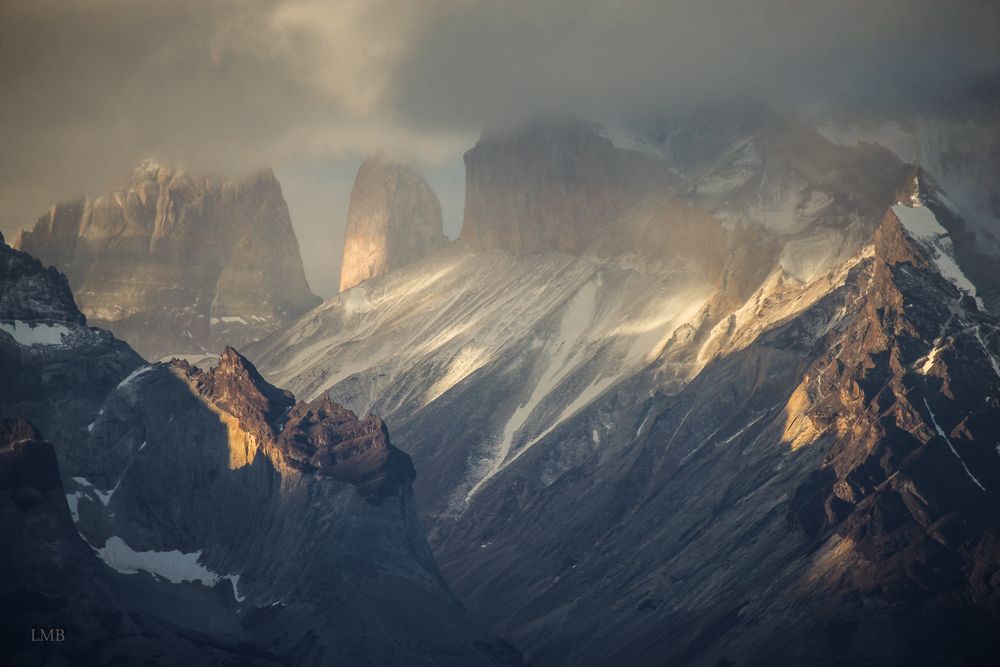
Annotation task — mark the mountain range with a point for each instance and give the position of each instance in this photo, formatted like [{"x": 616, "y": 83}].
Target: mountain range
[
  {"x": 708, "y": 393},
  {"x": 722, "y": 390},
  {"x": 203, "y": 516}
]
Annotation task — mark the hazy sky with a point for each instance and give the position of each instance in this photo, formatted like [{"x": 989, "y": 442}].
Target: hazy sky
[{"x": 309, "y": 87}]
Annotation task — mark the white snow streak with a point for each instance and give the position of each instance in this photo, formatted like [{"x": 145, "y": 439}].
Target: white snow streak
[
  {"x": 952, "y": 447},
  {"x": 133, "y": 375},
  {"x": 572, "y": 326},
  {"x": 989, "y": 355}
]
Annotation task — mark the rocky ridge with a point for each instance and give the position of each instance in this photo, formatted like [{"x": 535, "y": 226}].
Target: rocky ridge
[
  {"x": 811, "y": 522},
  {"x": 319, "y": 437}
]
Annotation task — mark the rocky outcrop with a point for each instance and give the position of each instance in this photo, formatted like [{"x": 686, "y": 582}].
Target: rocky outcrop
[
  {"x": 319, "y": 437},
  {"x": 177, "y": 264},
  {"x": 31, "y": 292},
  {"x": 394, "y": 219}
]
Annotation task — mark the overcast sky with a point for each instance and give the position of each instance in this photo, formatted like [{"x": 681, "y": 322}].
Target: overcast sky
[{"x": 309, "y": 87}]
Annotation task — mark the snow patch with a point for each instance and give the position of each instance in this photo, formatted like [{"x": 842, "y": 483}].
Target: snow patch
[
  {"x": 630, "y": 140},
  {"x": 923, "y": 226},
  {"x": 73, "y": 500},
  {"x": 103, "y": 496},
  {"x": 31, "y": 333},
  {"x": 930, "y": 360},
  {"x": 133, "y": 375},
  {"x": 174, "y": 566}
]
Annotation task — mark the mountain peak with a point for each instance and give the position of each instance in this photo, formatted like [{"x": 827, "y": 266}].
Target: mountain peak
[
  {"x": 394, "y": 219},
  {"x": 895, "y": 246},
  {"x": 177, "y": 265},
  {"x": 320, "y": 437},
  {"x": 29, "y": 291},
  {"x": 235, "y": 384}
]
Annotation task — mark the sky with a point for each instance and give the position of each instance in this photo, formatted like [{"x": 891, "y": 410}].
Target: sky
[{"x": 310, "y": 87}]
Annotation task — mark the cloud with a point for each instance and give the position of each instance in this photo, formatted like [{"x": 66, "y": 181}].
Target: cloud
[{"x": 89, "y": 88}]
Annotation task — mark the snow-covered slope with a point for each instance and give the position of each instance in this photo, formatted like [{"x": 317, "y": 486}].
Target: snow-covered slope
[
  {"x": 549, "y": 332},
  {"x": 610, "y": 443}
]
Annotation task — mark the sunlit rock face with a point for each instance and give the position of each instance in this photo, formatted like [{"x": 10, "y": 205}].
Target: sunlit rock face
[
  {"x": 394, "y": 219},
  {"x": 177, "y": 264}
]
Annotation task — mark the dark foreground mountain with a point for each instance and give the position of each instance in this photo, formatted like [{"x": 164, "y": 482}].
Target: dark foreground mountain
[
  {"x": 62, "y": 606},
  {"x": 201, "y": 516},
  {"x": 739, "y": 407},
  {"x": 175, "y": 264}
]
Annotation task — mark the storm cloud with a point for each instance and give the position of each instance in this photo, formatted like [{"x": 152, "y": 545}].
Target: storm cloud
[{"x": 88, "y": 89}]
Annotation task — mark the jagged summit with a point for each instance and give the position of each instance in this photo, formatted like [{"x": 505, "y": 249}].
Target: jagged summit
[
  {"x": 394, "y": 219},
  {"x": 318, "y": 437},
  {"x": 235, "y": 381},
  {"x": 178, "y": 264}
]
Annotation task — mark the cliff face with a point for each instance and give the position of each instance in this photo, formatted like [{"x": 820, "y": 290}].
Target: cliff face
[
  {"x": 394, "y": 219},
  {"x": 175, "y": 264},
  {"x": 553, "y": 186}
]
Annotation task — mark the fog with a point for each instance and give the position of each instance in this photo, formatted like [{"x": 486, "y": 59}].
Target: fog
[{"x": 309, "y": 88}]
